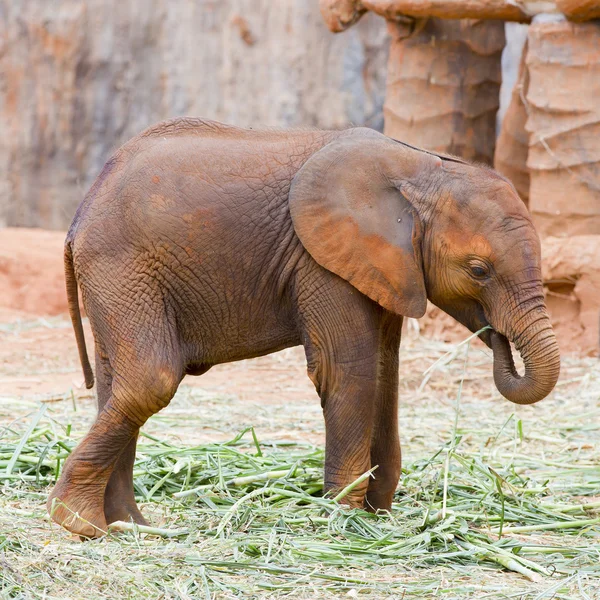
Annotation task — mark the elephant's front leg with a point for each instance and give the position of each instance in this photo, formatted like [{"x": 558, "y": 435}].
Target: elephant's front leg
[
  {"x": 342, "y": 352},
  {"x": 348, "y": 409}
]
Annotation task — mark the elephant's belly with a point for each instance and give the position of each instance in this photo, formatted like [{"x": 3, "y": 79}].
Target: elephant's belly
[
  {"x": 220, "y": 335},
  {"x": 223, "y": 352}
]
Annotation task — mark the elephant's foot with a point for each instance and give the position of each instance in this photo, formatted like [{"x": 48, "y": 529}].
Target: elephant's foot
[
  {"x": 119, "y": 499},
  {"x": 117, "y": 509},
  {"x": 378, "y": 500},
  {"x": 354, "y": 499},
  {"x": 352, "y": 502},
  {"x": 79, "y": 510},
  {"x": 382, "y": 488}
]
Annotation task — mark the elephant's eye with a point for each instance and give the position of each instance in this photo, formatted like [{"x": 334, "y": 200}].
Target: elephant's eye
[{"x": 479, "y": 270}]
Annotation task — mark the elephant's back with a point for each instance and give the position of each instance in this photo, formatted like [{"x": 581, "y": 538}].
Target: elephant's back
[
  {"x": 188, "y": 173},
  {"x": 179, "y": 165},
  {"x": 223, "y": 150},
  {"x": 191, "y": 195}
]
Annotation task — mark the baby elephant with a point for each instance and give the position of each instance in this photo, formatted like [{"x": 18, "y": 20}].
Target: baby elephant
[{"x": 202, "y": 243}]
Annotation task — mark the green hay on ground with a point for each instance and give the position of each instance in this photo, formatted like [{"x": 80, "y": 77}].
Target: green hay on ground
[{"x": 247, "y": 516}]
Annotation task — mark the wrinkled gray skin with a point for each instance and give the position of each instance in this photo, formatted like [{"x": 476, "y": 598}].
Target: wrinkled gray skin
[{"x": 202, "y": 244}]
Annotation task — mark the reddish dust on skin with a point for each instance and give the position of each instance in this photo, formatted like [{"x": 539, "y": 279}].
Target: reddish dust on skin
[{"x": 32, "y": 284}]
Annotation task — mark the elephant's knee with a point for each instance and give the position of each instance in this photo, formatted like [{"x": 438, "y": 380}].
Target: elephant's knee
[
  {"x": 138, "y": 398},
  {"x": 162, "y": 387}
]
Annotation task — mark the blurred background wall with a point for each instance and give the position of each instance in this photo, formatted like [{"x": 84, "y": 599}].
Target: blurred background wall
[{"x": 80, "y": 77}]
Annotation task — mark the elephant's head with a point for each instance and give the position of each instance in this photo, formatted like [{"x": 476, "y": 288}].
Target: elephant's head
[{"x": 403, "y": 225}]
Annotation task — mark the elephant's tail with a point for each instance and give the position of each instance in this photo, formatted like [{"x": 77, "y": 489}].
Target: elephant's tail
[{"x": 73, "y": 301}]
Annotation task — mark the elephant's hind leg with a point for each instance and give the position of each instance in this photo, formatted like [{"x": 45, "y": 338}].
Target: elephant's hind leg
[
  {"x": 119, "y": 499},
  {"x": 143, "y": 382}
]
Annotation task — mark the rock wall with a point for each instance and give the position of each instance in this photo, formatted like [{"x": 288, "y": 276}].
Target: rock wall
[
  {"x": 571, "y": 273},
  {"x": 444, "y": 84},
  {"x": 512, "y": 145},
  {"x": 80, "y": 77},
  {"x": 563, "y": 123},
  {"x": 548, "y": 144}
]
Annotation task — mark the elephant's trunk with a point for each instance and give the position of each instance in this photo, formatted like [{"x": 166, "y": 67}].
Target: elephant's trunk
[{"x": 537, "y": 345}]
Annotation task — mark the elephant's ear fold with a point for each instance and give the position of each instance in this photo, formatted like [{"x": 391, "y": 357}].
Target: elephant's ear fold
[{"x": 350, "y": 215}]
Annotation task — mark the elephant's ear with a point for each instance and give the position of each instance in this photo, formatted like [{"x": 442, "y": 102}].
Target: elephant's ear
[{"x": 350, "y": 215}]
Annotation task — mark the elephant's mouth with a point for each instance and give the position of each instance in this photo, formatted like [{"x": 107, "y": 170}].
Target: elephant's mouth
[
  {"x": 486, "y": 335},
  {"x": 500, "y": 346},
  {"x": 480, "y": 321},
  {"x": 472, "y": 315}
]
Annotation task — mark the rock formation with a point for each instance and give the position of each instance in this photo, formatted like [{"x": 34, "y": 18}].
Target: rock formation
[{"x": 444, "y": 86}]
